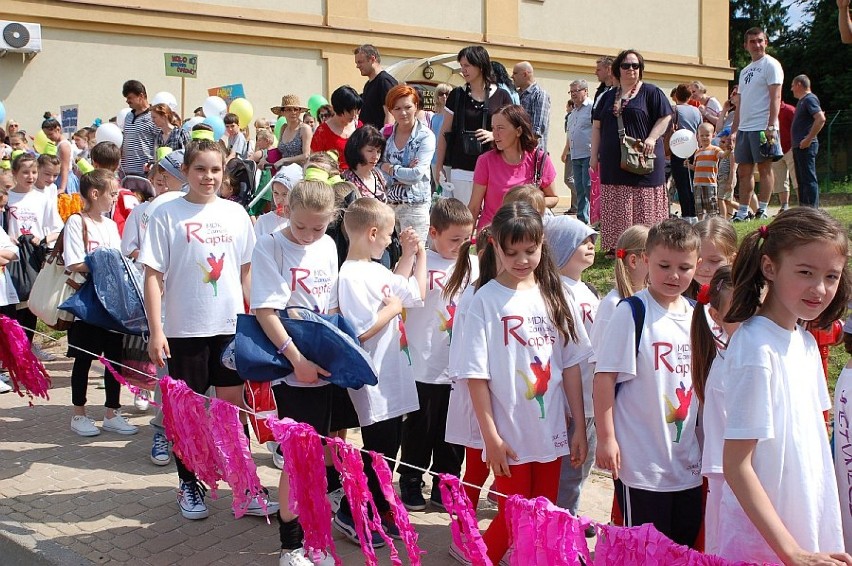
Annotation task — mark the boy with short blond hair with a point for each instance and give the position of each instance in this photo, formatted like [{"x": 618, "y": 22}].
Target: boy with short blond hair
[{"x": 706, "y": 170}]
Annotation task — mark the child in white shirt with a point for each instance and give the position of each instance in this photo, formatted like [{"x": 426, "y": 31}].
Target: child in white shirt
[
  {"x": 372, "y": 299},
  {"x": 646, "y": 433},
  {"x": 279, "y": 217},
  {"x": 430, "y": 330},
  {"x": 200, "y": 246}
]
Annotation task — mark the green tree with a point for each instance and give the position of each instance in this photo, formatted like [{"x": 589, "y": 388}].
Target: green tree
[{"x": 744, "y": 14}]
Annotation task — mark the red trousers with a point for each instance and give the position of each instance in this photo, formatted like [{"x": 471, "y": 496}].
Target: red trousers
[
  {"x": 475, "y": 472},
  {"x": 529, "y": 480}
]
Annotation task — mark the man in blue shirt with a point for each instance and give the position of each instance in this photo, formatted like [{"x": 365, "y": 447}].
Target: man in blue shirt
[{"x": 807, "y": 123}]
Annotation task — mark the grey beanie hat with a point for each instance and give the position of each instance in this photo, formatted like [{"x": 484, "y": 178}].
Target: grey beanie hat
[
  {"x": 564, "y": 235},
  {"x": 172, "y": 164}
]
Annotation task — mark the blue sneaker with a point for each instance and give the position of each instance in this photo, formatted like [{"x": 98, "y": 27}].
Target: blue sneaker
[
  {"x": 344, "y": 523},
  {"x": 160, "y": 454},
  {"x": 389, "y": 525}
]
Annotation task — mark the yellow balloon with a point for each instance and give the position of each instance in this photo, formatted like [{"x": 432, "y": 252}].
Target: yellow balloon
[
  {"x": 243, "y": 109},
  {"x": 40, "y": 141}
]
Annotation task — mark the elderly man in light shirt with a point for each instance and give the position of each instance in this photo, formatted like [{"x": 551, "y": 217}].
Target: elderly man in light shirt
[{"x": 578, "y": 145}]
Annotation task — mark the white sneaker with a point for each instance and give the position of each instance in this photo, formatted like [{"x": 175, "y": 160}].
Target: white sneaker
[
  {"x": 4, "y": 377},
  {"x": 191, "y": 500},
  {"x": 5, "y": 387},
  {"x": 297, "y": 558},
  {"x": 255, "y": 509},
  {"x": 140, "y": 401},
  {"x": 458, "y": 555},
  {"x": 84, "y": 426},
  {"x": 335, "y": 497},
  {"x": 278, "y": 460},
  {"x": 42, "y": 355},
  {"x": 119, "y": 425}
]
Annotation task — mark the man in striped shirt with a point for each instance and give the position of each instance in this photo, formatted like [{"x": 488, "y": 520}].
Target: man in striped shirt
[{"x": 140, "y": 132}]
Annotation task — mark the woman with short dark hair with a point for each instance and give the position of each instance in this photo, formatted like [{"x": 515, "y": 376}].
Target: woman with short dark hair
[
  {"x": 332, "y": 134},
  {"x": 466, "y": 129},
  {"x": 514, "y": 161},
  {"x": 363, "y": 152},
  {"x": 628, "y": 198}
]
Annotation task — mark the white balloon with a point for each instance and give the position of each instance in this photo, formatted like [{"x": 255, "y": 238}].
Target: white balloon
[
  {"x": 109, "y": 133},
  {"x": 121, "y": 117},
  {"x": 683, "y": 143},
  {"x": 214, "y": 106},
  {"x": 192, "y": 122},
  {"x": 166, "y": 98}
]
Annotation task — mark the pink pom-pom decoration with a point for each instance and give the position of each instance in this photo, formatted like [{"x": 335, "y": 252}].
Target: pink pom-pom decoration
[
  {"x": 463, "y": 526},
  {"x": 547, "y": 535},
  {"x": 400, "y": 514},
  {"x": 347, "y": 460},
  {"x": 187, "y": 426},
  {"x": 120, "y": 378},
  {"x": 234, "y": 457},
  {"x": 305, "y": 466},
  {"x": 26, "y": 371}
]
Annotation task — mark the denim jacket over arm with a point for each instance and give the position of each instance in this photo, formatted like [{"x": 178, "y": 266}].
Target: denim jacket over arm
[{"x": 411, "y": 185}]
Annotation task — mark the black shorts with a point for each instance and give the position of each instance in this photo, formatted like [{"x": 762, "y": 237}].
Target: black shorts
[
  {"x": 343, "y": 414},
  {"x": 93, "y": 339},
  {"x": 309, "y": 405},
  {"x": 198, "y": 362}
]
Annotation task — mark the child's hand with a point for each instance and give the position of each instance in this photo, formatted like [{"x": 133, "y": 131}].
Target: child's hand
[
  {"x": 158, "y": 349},
  {"x": 497, "y": 457},
  {"x": 608, "y": 456},
  {"x": 804, "y": 558},
  {"x": 579, "y": 444},
  {"x": 307, "y": 371},
  {"x": 394, "y": 303},
  {"x": 410, "y": 242}
]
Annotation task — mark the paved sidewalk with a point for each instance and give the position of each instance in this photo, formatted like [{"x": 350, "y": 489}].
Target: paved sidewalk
[{"x": 76, "y": 500}]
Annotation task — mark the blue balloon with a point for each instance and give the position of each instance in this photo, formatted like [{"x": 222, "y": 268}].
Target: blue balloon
[
  {"x": 217, "y": 124},
  {"x": 2, "y": 112}
]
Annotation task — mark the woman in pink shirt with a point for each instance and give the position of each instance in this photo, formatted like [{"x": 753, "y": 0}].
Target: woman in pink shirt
[{"x": 514, "y": 161}]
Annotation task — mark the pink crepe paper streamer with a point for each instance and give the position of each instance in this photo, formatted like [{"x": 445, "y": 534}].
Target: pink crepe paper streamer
[
  {"x": 130, "y": 387},
  {"x": 347, "y": 460},
  {"x": 400, "y": 514},
  {"x": 645, "y": 545},
  {"x": 234, "y": 457},
  {"x": 464, "y": 527},
  {"x": 187, "y": 426},
  {"x": 24, "y": 368},
  {"x": 305, "y": 465},
  {"x": 545, "y": 534}
]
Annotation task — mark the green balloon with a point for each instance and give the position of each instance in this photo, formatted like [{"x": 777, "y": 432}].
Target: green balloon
[
  {"x": 314, "y": 103},
  {"x": 279, "y": 124}
]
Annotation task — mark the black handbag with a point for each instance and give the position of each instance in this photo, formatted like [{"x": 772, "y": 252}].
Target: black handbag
[
  {"x": 24, "y": 271},
  {"x": 470, "y": 144}
]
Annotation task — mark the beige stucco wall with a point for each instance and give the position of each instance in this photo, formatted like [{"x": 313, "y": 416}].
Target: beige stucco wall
[
  {"x": 314, "y": 7},
  {"x": 451, "y": 15}
]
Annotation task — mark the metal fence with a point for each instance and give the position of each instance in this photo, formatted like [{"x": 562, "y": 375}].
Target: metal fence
[{"x": 834, "y": 160}]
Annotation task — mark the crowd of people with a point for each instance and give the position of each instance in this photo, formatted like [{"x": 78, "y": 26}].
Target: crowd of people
[{"x": 431, "y": 233}]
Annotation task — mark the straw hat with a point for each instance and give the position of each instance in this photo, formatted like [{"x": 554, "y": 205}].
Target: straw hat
[{"x": 288, "y": 101}]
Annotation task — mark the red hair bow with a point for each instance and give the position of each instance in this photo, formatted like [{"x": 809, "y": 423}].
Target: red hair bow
[
  {"x": 620, "y": 253},
  {"x": 704, "y": 295}
]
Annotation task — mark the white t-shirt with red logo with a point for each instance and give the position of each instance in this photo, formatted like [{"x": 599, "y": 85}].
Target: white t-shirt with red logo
[
  {"x": 430, "y": 328},
  {"x": 510, "y": 341},
  {"x": 31, "y": 213},
  {"x": 200, "y": 249},
  {"x": 586, "y": 308},
  {"x": 655, "y": 408},
  {"x": 287, "y": 274},
  {"x": 606, "y": 307},
  {"x": 462, "y": 426},
  {"x": 103, "y": 234},
  {"x": 362, "y": 286}
]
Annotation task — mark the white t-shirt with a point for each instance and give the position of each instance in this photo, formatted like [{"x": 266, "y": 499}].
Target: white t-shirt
[
  {"x": 286, "y": 274},
  {"x": 655, "y": 409},
  {"x": 131, "y": 238},
  {"x": 462, "y": 426},
  {"x": 269, "y": 223},
  {"x": 606, "y": 308},
  {"x": 713, "y": 418},
  {"x": 8, "y": 295},
  {"x": 200, "y": 248},
  {"x": 52, "y": 194},
  {"x": 586, "y": 308},
  {"x": 153, "y": 205},
  {"x": 775, "y": 393},
  {"x": 32, "y": 213},
  {"x": 843, "y": 450},
  {"x": 510, "y": 341},
  {"x": 755, "y": 80},
  {"x": 362, "y": 285},
  {"x": 103, "y": 234},
  {"x": 430, "y": 328}
]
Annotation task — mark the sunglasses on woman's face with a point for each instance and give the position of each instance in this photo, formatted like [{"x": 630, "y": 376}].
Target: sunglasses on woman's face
[
  {"x": 628, "y": 66},
  {"x": 324, "y": 116}
]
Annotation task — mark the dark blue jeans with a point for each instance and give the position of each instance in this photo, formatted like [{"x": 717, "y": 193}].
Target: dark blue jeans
[
  {"x": 683, "y": 183},
  {"x": 804, "y": 160}
]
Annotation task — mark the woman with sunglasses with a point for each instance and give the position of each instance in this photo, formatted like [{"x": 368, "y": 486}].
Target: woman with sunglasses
[
  {"x": 294, "y": 144},
  {"x": 628, "y": 198},
  {"x": 12, "y": 127}
]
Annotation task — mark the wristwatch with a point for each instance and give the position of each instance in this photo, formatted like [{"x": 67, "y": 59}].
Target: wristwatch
[{"x": 771, "y": 128}]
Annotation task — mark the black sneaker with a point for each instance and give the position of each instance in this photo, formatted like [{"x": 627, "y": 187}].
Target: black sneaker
[
  {"x": 761, "y": 214},
  {"x": 436, "y": 499},
  {"x": 345, "y": 524},
  {"x": 410, "y": 493}
]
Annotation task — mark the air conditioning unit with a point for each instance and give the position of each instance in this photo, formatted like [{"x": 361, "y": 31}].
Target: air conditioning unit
[{"x": 20, "y": 37}]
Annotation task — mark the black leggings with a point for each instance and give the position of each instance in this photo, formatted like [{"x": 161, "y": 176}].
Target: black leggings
[
  {"x": 98, "y": 341},
  {"x": 683, "y": 183},
  {"x": 26, "y": 319},
  {"x": 383, "y": 437}
]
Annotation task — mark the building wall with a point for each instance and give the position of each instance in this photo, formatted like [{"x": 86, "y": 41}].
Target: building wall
[{"x": 275, "y": 47}]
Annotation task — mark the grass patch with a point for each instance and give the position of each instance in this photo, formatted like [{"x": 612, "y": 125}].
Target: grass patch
[
  {"x": 54, "y": 334},
  {"x": 601, "y": 276}
]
